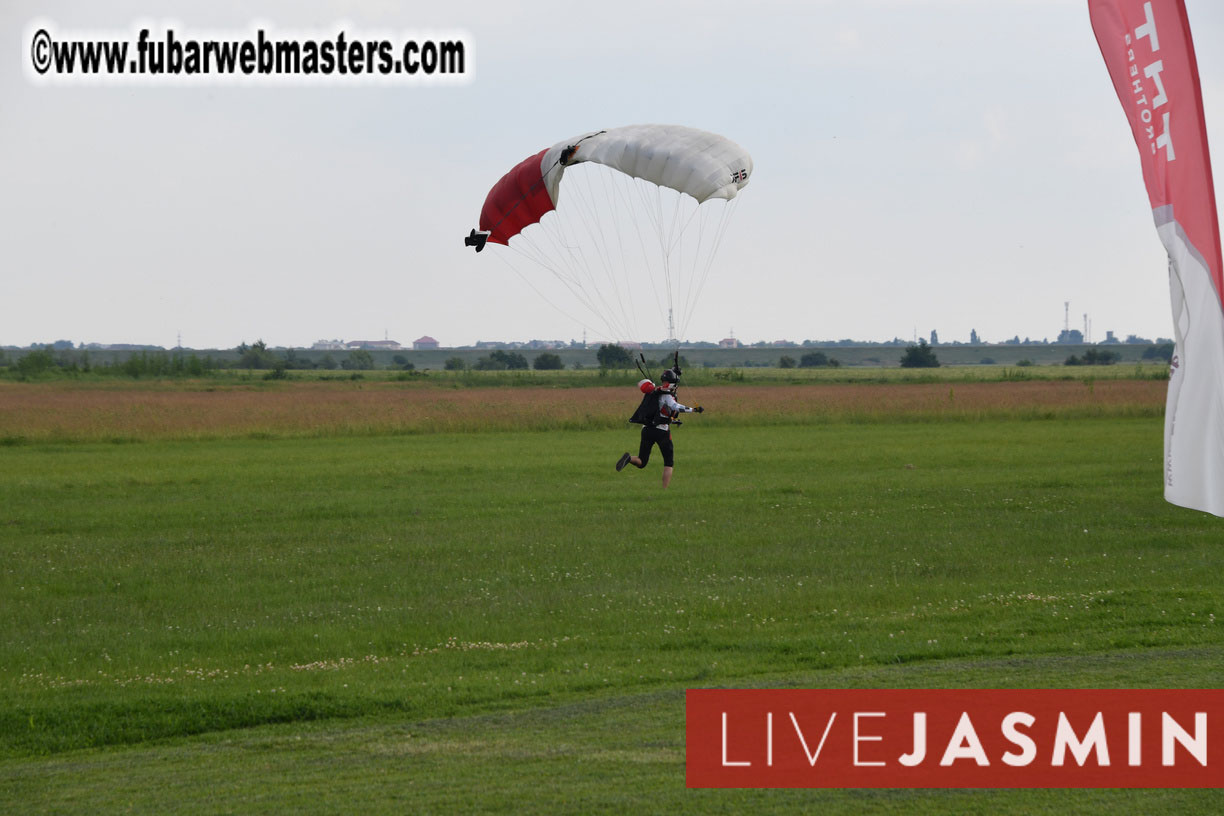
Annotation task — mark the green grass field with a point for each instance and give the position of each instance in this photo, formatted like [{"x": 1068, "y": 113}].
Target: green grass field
[{"x": 497, "y": 621}]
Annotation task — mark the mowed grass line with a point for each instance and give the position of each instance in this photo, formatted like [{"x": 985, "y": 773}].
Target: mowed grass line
[
  {"x": 170, "y": 588},
  {"x": 612, "y": 752}
]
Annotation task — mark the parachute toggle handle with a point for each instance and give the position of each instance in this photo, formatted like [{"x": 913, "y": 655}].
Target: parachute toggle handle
[{"x": 476, "y": 239}]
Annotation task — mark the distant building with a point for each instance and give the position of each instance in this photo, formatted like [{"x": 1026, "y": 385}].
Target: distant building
[
  {"x": 426, "y": 342},
  {"x": 1070, "y": 336},
  {"x": 374, "y": 345},
  {"x": 328, "y": 345},
  {"x": 728, "y": 342}
]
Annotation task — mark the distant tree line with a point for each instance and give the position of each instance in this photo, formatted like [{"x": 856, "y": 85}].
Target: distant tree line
[
  {"x": 65, "y": 359},
  {"x": 1162, "y": 351},
  {"x": 142, "y": 364},
  {"x": 501, "y": 360},
  {"x": 259, "y": 357},
  {"x": 919, "y": 356},
  {"x": 612, "y": 356},
  {"x": 179, "y": 363},
  {"x": 1095, "y": 357}
]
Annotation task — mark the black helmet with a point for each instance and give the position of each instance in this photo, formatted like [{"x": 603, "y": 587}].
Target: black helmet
[{"x": 670, "y": 376}]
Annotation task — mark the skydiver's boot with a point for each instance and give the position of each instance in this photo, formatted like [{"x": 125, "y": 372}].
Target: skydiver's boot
[{"x": 624, "y": 460}]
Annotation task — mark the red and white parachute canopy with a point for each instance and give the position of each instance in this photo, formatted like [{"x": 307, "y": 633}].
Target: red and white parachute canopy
[{"x": 643, "y": 211}]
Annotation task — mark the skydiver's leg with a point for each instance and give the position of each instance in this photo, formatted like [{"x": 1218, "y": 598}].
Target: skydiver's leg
[
  {"x": 669, "y": 459},
  {"x": 643, "y": 456}
]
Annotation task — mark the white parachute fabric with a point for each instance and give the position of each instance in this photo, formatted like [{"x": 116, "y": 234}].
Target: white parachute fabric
[
  {"x": 690, "y": 161},
  {"x": 641, "y": 212}
]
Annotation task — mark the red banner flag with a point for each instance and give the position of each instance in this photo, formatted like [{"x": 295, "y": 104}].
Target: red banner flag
[{"x": 1150, "y": 56}]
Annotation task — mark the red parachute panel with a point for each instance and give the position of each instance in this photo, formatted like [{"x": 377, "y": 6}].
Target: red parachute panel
[{"x": 516, "y": 202}]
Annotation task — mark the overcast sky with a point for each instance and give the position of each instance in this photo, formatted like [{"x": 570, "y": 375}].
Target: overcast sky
[{"x": 918, "y": 165}]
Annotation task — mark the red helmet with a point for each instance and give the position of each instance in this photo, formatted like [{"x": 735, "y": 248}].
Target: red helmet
[{"x": 645, "y": 386}]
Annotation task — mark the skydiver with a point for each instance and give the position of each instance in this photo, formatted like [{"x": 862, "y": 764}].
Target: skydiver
[{"x": 656, "y": 412}]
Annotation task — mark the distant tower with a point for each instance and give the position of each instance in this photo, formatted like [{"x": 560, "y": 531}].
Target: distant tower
[
  {"x": 671, "y": 325},
  {"x": 1086, "y": 334},
  {"x": 1066, "y": 315},
  {"x": 180, "y": 339}
]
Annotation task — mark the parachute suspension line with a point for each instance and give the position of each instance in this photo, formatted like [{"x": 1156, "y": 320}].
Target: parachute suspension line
[
  {"x": 720, "y": 233},
  {"x": 674, "y": 236},
  {"x": 613, "y": 247},
  {"x": 677, "y": 234},
  {"x": 626, "y": 186},
  {"x": 592, "y": 262},
  {"x": 702, "y": 261},
  {"x": 662, "y": 236},
  {"x": 679, "y": 244},
  {"x": 673, "y": 251},
  {"x": 541, "y": 259},
  {"x": 693, "y": 270},
  {"x": 608, "y": 262},
  {"x": 647, "y": 210},
  {"x": 599, "y": 271},
  {"x": 670, "y": 223},
  {"x": 645, "y": 214},
  {"x": 625, "y": 281},
  {"x": 586, "y": 216},
  {"x": 561, "y": 227},
  {"x": 545, "y": 259},
  {"x": 591, "y": 295},
  {"x": 564, "y": 233},
  {"x": 532, "y": 286},
  {"x": 686, "y": 291},
  {"x": 579, "y": 222},
  {"x": 702, "y": 271},
  {"x": 676, "y": 246}
]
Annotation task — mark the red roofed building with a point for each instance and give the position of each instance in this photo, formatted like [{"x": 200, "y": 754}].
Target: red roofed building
[{"x": 425, "y": 342}]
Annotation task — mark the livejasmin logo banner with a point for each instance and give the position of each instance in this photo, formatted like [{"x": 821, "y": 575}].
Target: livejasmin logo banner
[{"x": 955, "y": 738}]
